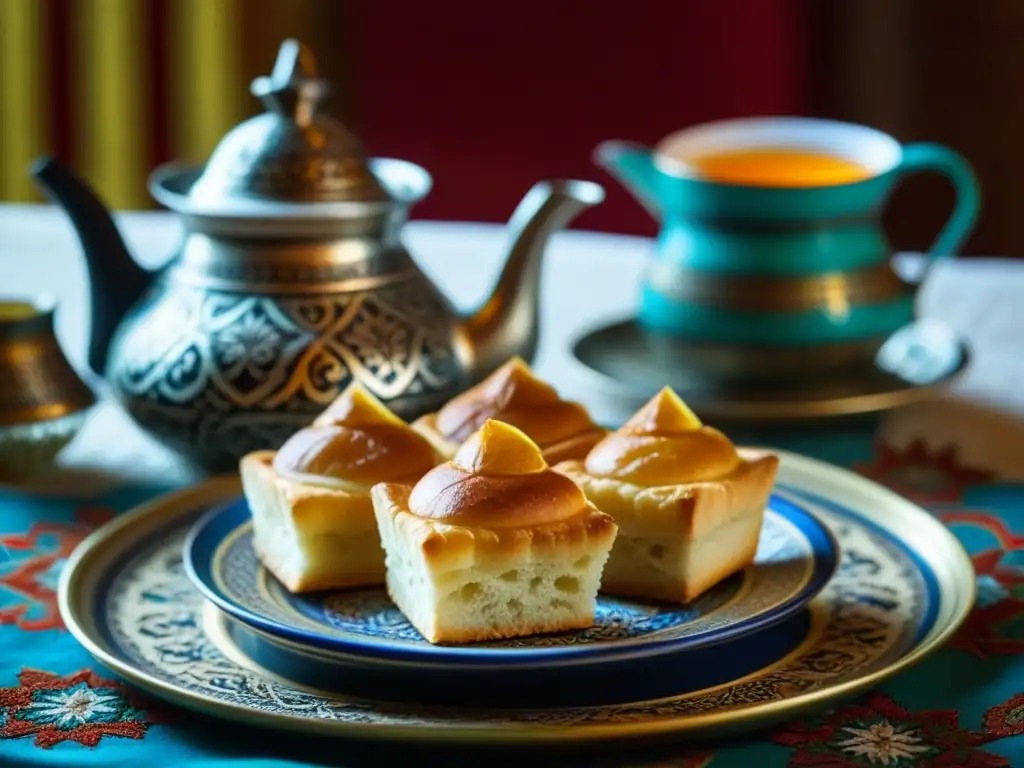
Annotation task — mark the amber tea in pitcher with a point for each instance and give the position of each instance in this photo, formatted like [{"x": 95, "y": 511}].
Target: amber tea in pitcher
[{"x": 776, "y": 167}]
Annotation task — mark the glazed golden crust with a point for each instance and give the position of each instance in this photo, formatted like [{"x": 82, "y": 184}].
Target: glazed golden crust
[
  {"x": 663, "y": 414},
  {"x": 448, "y": 494},
  {"x": 654, "y": 460},
  {"x": 689, "y": 510},
  {"x": 493, "y": 543},
  {"x": 512, "y": 394},
  {"x": 497, "y": 479},
  {"x": 302, "y": 532},
  {"x": 447, "y": 547},
  {"x": 676, "y": 542},
  {"x": 314, "y": 508},
  {"x": 688, "y": 504},
  {"x": 356, "y": 441},
  {"x": 313, "y": 521},
  {"x": 364, "y": 456},
  {"x": 663, "y": 443}
]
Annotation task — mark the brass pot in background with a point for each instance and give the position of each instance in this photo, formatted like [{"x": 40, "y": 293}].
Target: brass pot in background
[{"x": 43, "y": 401}]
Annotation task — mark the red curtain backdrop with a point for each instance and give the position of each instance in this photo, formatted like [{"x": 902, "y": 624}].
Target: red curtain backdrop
[
  {"x": 489, "y": 97},
  {"x": 492, "y": 97}
]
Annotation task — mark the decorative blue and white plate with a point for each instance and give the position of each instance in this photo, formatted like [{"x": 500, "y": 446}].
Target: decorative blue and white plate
[
  {"x": 903, "y": 586},
  {"x": 796, "y": 557}
]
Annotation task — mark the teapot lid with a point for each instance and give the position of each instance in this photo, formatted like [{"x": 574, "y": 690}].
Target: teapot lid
[{"x": 292, "y": 153}]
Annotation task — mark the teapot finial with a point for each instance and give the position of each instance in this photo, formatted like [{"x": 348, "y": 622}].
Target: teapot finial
[
  {"x": 292, "y": 88},
  {"x": 295, "y": 152}
]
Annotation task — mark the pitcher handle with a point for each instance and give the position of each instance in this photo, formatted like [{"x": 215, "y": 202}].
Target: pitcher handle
[{"x": 954, "y": 166}]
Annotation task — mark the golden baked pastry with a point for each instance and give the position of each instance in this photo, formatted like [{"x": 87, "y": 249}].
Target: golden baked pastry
[
  {"x": 493, "y": 543},
  {"x": 512, "y": 394},
  {"x": 313, "y": 523},
  {"x": 689, "y": 506}
]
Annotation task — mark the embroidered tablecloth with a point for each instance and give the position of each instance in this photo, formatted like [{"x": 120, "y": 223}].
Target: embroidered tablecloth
[
  {"x": 961, "y": 456},
  {"x": 963, "y": 707}
]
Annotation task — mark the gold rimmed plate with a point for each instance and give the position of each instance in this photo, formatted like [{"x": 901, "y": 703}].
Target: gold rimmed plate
[
  {"x": 356, "y": 641},
  {"x": 903, "y": 586},
  {"x": 796, "y": 557}
]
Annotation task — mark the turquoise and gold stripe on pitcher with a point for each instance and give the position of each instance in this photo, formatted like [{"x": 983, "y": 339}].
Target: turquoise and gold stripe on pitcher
[
  {"x": 758, "y": 284},
  {"x": 821, "y": 325},
  {"x": 780, "y": 264}
]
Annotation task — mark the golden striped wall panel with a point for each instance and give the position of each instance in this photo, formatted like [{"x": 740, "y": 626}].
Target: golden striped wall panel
[
  {"x": 116, "y": 87},
  {"x": 207, "y": 93},
  {"x": 24, "y": 113},
  {"x": 111, "y": 94}
]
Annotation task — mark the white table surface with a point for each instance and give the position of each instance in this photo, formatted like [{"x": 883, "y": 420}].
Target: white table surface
[{"x": 588, "y": 279}]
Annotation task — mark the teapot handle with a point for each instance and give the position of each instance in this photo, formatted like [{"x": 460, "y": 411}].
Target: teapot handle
[{"x": 940, "y": 159}]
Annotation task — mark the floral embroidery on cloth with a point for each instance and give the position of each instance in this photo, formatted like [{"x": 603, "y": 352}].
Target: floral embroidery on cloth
[
  {"x": 926, "y": 476},
  {"x": 1007, "y": 540},
  {"x": 80, "y": 707},
  {"x": 996, "y": 625},
  {"x": 1006, "y": 719},
  {"x": 30, "y": 565},
  {"x": 880, "y": 732}
]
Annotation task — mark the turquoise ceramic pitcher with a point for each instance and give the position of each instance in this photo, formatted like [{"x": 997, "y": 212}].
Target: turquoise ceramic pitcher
[{"x": 788, "y": 267}]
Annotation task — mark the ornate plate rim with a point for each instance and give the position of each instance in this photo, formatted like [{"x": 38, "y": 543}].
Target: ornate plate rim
[
  {"x": 945, "y": 556},
  {"x": 824, "y": 561}
]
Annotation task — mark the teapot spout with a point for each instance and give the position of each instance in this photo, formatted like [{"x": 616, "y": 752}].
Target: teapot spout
[
  {"x": 507, "y": 324},
  {"x": 116, "y": 281},
  {"x": 633, "y": 166}
]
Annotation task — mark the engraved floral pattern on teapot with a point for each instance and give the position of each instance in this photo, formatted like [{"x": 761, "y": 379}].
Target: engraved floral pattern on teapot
[{"x": 196, "y": 364}]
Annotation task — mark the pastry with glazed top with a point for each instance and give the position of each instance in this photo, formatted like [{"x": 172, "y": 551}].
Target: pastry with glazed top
[
  {"x": 512, "y": 394},
  {"x": 313, "y": 523},
  {"x": 688, "y": 504},
  {"x": 492, "y": 544}
]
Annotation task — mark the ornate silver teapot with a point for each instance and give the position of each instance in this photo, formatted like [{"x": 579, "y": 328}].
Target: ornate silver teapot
[{"x": 291, "y": 281}]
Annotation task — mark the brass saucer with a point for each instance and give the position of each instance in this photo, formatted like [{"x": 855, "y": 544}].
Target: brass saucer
[{"x": 911, "y": 365}]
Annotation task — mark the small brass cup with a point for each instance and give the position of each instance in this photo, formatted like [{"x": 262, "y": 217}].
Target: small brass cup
[{"x": 43, "y": 401}]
